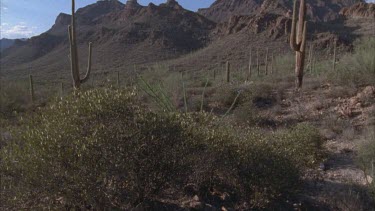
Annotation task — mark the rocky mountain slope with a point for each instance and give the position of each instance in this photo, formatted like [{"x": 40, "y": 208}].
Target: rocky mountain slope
[
  {"x": 359, "y": 10},
  {"x": 317, "y": 10},
  {"x": 5, "y": 43},
  {"x": 120, "y": 33},
  {"x": 128, "y": 34}
]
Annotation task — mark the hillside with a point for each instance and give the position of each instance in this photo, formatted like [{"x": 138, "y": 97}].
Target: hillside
[
  {"x": 5, "y": 43},
  {"x": 317, "y": 10},
  {"x": 121, "y": 34},
  {"x": 127, "y": 34}
]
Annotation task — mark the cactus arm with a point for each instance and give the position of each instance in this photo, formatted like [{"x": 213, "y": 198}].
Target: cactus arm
[
  {"x": 301, "y": 22},
  {"x": 74, "y": 37},
  {"x": 293, "y": 35},
  {"x": 72, "y": 57},
  {"x": 303, "y": 42},
  {"x": 87, "y": 76}
]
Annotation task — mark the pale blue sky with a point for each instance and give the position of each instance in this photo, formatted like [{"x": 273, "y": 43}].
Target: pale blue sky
[{"x": 26, "y": 18}]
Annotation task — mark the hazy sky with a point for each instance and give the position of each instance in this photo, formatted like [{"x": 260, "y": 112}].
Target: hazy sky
[{"x": 26, "y": 18}]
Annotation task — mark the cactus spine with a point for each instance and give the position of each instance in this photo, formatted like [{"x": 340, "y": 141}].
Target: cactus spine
[
  {"x": 228, "y": 71},
  {"x": 74, "y": 61},
  {"x": 298, "y": 41},
  {"x": 32, "y": 95}
]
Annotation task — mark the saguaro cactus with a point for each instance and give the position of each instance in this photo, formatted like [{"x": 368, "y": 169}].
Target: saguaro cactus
[
  {"x": 266, "y": 63},
  {"x": 334, "y": 55},
  {"x": 31, "y": 84},
  {"x": 250, "y": 64},
  {"x": 272, "y": 63},
  {"x": 74, "y": 61},
  {"x": 228, "y": 71},
  {"x": 298, "y": 41},
  {"x": 258, "y": 65}
]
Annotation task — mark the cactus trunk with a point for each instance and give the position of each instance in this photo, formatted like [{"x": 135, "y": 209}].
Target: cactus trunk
[
  {"x": 250, "y": 64},
  {"x": 61, "y": 89},
  {"x": 32, "y": 95},
  {"x": 266, "y": 63},
  {"x": 228, "y": 72},
  {"x": 74, "y": 61},
  {"x": 334, "y": 55},
  {"x": 298, "y": 40},
  {"x": 272, "y": 65},
  {"x": 258, "y": 66}
]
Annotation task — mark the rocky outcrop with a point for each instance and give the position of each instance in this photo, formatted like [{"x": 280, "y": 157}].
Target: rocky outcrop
[
  {"x": 359, "y": 10},
  {"x": 132, "y": 7},
  {"x": 274, "y": 25},
  {"x": 317, "y": 10}
]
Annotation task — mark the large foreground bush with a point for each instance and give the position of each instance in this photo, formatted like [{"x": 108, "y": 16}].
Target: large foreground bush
[{"x": 100, "y": 149}]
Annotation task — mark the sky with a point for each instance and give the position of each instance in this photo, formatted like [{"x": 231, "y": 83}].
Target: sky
[{"x": 27, "y": 18}]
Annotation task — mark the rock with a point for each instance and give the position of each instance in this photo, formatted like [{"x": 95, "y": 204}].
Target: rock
[
  {"x": 193, "y": 203},
  {"x": 359, "y": 10},
  {"x": 191, "y": 189},
  {"x": 322, "y": 167}
]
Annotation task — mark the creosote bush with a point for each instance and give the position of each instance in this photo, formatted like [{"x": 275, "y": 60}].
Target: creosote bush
[
  {"x": 357, "y": 68},
  {"x": 366, "y": 157},
  {"x": 102, "y": 149},
  {"x": 14, "y": 97}
]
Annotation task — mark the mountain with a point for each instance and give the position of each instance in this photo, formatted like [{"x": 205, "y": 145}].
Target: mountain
[
  {"x": 125, "y": 35},
  {"x": 7, "y": 43},
  {"x": 317, "y": 10},
  {"x": 121, "y": 35}
]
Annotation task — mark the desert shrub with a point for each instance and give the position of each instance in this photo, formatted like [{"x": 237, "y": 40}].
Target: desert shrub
[
  {"x": 284, "y": 64},
  {"x": 14, "y": 97},
  {"x": 357, "y": 68},
  {"x": 259, "y": 94},
  {"x": 100, "y": 149},
  {"x": 366, "y": 157},
  {"x": 302, "y": 144}
]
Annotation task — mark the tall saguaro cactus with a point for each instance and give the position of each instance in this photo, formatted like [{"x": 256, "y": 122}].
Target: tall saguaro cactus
[
  {"x": 334, "y": 55},
  {"x": 266, "y": 63},
  {"x": 250, "y": 64},
  {"x": 32, "y": 93},
  {"x": 228, "y": 71},
  {"x": 74, "y": 61},
  {"x": 298, "y": 40}
]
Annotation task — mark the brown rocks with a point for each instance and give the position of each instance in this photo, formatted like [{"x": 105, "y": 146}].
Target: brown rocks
[{"x": 359, "y": 10}]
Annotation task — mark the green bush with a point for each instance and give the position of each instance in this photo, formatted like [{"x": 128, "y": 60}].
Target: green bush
[
  {"x": 357, "y": 68},
  {"x": 14, "y": 97},
  {"x": 366, "y": 157},
  {"x": 100, "y": 149},
  {"x": 302, "y": 144}
]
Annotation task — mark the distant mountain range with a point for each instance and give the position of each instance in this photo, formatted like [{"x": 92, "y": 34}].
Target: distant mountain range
[
  {"x": 128, "y": 34},
  {"x": 7, "y": 43}
]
